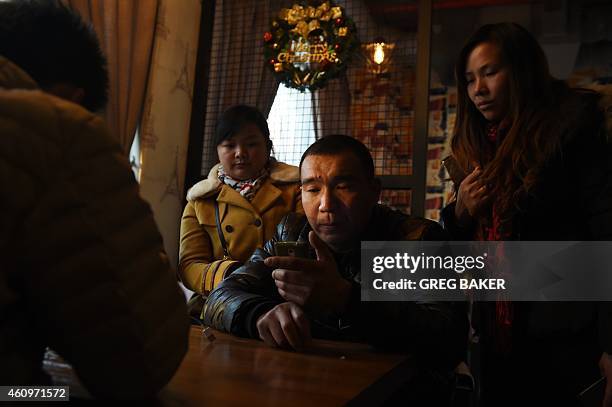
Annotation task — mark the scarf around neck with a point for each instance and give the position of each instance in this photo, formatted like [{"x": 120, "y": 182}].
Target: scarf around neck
[
  {"x": 248, "y": 187},
  {"x": 500, "y": 315}
]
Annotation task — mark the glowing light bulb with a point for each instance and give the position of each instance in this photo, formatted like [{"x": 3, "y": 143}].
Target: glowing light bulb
[{"x": 379, "y": 53}]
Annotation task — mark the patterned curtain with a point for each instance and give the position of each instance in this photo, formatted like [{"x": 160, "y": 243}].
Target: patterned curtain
[{"x": 126, "y": 30}]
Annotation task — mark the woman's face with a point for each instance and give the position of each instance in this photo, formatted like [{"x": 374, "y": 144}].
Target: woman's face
[
  {"x": 245, "y": 153},
  {"x": 488, "y": 81}
]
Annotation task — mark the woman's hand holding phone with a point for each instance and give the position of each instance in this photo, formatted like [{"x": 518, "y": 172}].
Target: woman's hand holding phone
[{"x": 472, "y": 197}]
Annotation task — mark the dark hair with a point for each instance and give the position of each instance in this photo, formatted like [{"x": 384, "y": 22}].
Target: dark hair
[
  {"x": 339, "y": 143},
  {"x": 235, "y": 118},
  {"x": 534, "y": 130},
  {"x": 53, "y": 45}
]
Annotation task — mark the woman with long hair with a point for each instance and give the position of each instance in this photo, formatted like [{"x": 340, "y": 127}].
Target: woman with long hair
[{"x": 529, "y": 161}]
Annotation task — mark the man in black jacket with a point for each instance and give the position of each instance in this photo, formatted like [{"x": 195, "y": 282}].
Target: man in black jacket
[{"x": 287, "y": 300}]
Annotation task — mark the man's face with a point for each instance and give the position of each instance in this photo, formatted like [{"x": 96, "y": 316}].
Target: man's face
[{"x": 338, "y": 198}]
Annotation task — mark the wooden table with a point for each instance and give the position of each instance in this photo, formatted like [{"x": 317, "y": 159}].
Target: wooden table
[{"x": 236, "y": 371}]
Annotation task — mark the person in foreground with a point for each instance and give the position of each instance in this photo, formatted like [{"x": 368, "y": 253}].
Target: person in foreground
[
  {"x": 84, "y": 271},
  {"x": 538, "y": 169},
  {"x": 285, "y": 301},
  {"x": 57, "y": 49}
]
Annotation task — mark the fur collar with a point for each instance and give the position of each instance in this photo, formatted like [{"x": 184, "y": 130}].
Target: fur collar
[{"x": 280, "y": 173}]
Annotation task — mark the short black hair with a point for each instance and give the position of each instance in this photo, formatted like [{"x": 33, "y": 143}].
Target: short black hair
[
  {"x": 340, "y": 143},
  {"x": 54, "y": 45},
  {"x": 235, "y": 118}
]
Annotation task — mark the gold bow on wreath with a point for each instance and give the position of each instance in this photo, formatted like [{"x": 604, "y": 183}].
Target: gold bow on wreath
[
  {"x": 296, "y": 14},
  {"x": 304, "y": 29}
]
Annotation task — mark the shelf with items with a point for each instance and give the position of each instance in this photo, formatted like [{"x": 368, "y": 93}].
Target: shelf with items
[
  {"x": 382, "y": 118},
  {"x": 399, "y": 199},
  {"x": 442, "y": 113}
]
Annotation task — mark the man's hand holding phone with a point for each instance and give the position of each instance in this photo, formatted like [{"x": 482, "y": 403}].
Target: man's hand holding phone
[{"x": 315, "y": 285}]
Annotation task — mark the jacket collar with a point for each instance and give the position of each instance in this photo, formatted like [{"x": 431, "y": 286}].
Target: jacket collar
[
  {"x": 280, "y": 173},
  {"x": 265, "y": 197},
  {"x": 13, "y": 77},
  {"x": 205, "y": 187}
]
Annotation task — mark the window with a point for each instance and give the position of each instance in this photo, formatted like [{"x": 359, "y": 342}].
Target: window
[
  {"x": 135, "y": 155},
  {"x": 291, "y": 122}
]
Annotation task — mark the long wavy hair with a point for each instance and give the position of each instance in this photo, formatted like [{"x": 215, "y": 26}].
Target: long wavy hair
[{"x": 534, "y": 135}]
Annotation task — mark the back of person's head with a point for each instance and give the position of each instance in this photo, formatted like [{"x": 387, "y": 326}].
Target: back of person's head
[
  {"x": 530, "y": 80},
  {"x": 55, "y": 47},
  {"x": 235, "y": 118},
  {"x": 338, "y": 143}
]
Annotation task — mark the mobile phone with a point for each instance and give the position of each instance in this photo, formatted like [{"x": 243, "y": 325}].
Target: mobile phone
[
  {"x": 293, "y": 249},
  {"x": 454, "y": 170}
]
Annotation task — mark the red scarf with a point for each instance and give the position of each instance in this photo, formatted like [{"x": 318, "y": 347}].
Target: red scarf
[{"x": 490, "y": 230}]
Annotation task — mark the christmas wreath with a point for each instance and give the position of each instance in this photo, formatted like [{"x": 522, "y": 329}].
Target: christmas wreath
[{"x": 307, "y": 46}]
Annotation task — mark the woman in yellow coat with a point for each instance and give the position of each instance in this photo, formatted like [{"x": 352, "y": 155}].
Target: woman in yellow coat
[{"x": 236, "y": 209}]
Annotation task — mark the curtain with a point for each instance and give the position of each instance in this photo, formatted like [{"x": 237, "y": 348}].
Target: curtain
[
  {"x": 331, "y": 108},
  {"x": 164, "y": 128},
  {"x": 126, "y": 30},
  {"x": 238, "y": 74}
]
